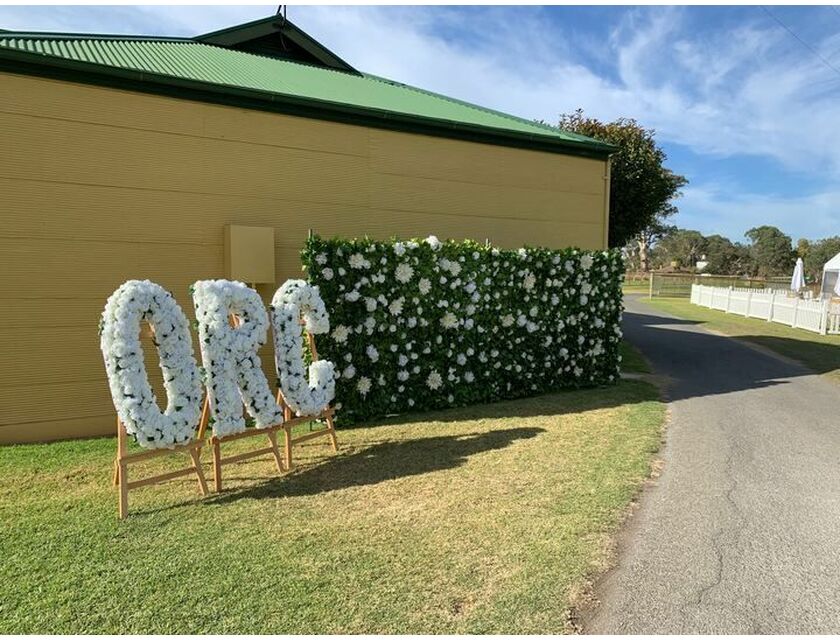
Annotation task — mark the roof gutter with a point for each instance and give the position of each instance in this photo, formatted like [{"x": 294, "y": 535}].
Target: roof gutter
[{"x": 27, "y": 63}]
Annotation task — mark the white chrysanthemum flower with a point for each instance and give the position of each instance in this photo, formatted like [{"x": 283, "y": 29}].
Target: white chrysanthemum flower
[
  {"x": 370, "y": 304},
  {"x": 454, "y": 268},
  {"x": 402, "y": 375},
  {"x": 399, "y": 248},
  {"x": 363, "y": 385},
  {"x": 396, "y": 307},
  {"x": 586, "y": 288},
  {"x": 425, "y": 285},
  {"x": 507, "y": 320},
  {"x": 434, "y": 381},
  {"x": 404, "y": 272},
  {"x": 586, "y": 262},
  {"x": 321, "y": 258},
  {"x": 349, "y": 372},
  {"x": 327, "y": 273},
  {"x": 340, "y": 334}
]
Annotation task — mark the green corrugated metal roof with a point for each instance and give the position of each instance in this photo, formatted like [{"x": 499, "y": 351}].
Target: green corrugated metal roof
[{"x": 220, "y": 67}]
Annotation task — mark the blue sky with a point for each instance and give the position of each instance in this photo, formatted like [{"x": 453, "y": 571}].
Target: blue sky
[{"x": 746, "y": 111}]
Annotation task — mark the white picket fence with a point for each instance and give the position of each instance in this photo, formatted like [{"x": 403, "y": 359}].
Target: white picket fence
[{"x": 819, "y": 316}]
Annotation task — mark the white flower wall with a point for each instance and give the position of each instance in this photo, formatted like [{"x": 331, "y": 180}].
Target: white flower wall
[{"x": 426, "y": 324}]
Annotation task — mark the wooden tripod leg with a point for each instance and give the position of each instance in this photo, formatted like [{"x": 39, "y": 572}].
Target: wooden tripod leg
[
  {"x": 272, "y": 436},
  {"x": 331, "y": 429},
  {"x": 287, "y": 445},
  {"x": 217, "y": 464},
  {"x": 122, "y": 469},
  {"x": 116, "y": 473},
  {"x": 196, "y": 459}
]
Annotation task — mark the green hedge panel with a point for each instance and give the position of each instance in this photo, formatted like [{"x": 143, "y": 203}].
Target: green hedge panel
[{"x": 423, "y": 324}]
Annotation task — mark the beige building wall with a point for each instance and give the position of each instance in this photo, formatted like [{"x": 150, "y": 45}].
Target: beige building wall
[{"x": 98, "y": 186}]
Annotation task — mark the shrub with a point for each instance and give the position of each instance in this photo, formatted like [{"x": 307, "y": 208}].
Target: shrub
[{"x": 424, "y": 324}]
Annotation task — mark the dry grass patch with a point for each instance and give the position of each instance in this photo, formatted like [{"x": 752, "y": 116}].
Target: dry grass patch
[{"x": 482, "y": 519}]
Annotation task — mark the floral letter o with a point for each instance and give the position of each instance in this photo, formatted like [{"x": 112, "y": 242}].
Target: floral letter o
[
  {"x": 134, "y": 400},
  {"x": 293, "y": 299},
  {"x": 233, "y": 370}
]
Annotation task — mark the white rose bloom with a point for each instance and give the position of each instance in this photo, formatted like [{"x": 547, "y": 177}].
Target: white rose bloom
[
  {"x": 507, "y": 320},
  {"x": 372, "y": 353},
  {"x": 449, "y": 321},
  {"x": 586, "y": 262},
  {"x": 402, "y": 375},
  {"x": 530, "y": 281},
  {"x": 321, "y": 258},
  {"x": 357, "y": 261},
  {"x": 433, "y": 242},
  {"x": 370, "y": 304},
  {"x": 327, "y": 273},
  {"x": 349, "y": 372},
  {"x": 352, "y": 296},
  {"x": 399, "y": 248},
  {"x": 469, "y": 377},
  {"x": 461, "y": 359},
  {"x": 586, "y": 288}
]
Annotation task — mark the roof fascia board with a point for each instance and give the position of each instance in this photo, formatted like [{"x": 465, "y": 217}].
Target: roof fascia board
[{"x": 27, "y": 63}]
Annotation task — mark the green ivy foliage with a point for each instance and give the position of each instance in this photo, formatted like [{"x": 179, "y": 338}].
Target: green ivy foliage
[{"x": 486, "y": 324}]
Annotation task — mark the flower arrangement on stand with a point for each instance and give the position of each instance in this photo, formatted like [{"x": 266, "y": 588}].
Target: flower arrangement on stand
[
  {"x": 232, "y": 367},
  {"x": 294, "y": 300},
  {"x": 426, "y": 324},
  {"x": 134, "y": 302}
]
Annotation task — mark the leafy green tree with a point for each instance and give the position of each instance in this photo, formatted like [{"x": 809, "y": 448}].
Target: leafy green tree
[
  {"x": 820, "y": 252},
  {"x": 681, "y": 246},
  {"x": 725, "y": 257},
  {"x": 771, "y": 251},
  {"x": 641, "y": 187}
]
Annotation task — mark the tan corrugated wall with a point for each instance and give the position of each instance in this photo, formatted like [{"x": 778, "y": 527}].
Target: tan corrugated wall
[{"x": 98, "y": 186}]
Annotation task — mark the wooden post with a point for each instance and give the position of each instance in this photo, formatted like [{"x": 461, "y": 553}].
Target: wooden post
[
  {"x": 122, "y": 469},
  {"x": 824, "y": 318}
]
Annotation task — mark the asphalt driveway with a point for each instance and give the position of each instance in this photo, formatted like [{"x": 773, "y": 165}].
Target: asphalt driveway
[{"x": 741, "y": 532}]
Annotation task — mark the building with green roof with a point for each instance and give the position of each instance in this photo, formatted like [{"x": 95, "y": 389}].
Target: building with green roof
[{"x": 178, "y": 159}]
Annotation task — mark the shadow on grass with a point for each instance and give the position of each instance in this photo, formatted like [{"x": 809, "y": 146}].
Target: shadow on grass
[{"x": 380, "y": 463}]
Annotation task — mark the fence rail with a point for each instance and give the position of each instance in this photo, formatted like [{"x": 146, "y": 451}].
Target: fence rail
[
  {"x": 819, "y": 316},
  {"x": 678, "y": 285}
]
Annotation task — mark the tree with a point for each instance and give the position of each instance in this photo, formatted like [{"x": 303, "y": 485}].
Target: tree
[
  {"x": 771, "y": 251},
  {"x": 820, "y": 252},
  {"x": 641, "y": 187},
  {"x": 682, "y": 246},
  {"x": 726, "y": 257}
]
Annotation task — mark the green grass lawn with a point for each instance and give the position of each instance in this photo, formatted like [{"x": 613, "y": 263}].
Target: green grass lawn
[
  {"x": 631, "y": 359},
  {"x": 820, "y": 353},
  {"x": 482, "y": 519}
]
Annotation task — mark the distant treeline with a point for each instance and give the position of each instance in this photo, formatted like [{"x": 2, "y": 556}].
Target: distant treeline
[{"x": 767, "y": 252}]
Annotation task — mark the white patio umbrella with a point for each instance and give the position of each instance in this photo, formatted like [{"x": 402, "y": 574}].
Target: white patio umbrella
[{"x": 798, "y": 279}]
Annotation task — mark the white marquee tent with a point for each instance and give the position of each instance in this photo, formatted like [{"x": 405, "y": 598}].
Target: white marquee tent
[{"x": 831, "y": 278}]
